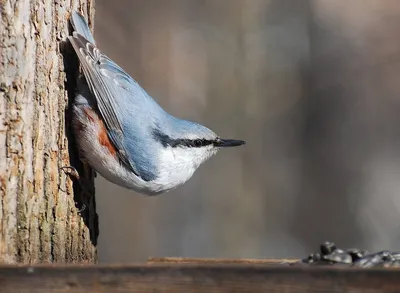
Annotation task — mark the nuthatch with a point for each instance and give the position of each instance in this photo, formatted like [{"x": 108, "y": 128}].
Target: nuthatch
[{"x": 124, "y": 134}]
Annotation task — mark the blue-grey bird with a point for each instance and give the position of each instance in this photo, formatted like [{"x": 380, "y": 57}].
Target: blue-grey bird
[{"x": 124, "y": 134}]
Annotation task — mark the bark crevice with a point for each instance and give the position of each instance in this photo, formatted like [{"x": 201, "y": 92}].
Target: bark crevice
[{"x": 39, "y": 203}]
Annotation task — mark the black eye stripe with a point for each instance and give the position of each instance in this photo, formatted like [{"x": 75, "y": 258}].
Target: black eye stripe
[
  {"x": 193, "y": 142},
  {"x": 165, "y": 140}
]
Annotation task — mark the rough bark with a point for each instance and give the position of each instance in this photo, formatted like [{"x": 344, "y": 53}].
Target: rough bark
[{"x": 39, "y": 217}]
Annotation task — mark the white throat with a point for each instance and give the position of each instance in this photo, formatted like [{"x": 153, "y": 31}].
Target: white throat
[{"x": 178, "y": 164}]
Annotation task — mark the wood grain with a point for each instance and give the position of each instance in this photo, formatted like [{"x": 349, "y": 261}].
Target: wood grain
[
  {"x": 184, "y": 278},
  {"x": 193, "y": 260},
  {"x": 39, "y": 219}
]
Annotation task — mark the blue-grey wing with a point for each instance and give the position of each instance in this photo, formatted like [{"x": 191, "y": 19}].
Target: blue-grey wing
[
  {"x": 80, "y": 25},
  {"x": 108, "y": 82}
]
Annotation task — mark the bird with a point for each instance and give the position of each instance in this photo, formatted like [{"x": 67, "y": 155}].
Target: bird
[{"x": 123, "y": 133}]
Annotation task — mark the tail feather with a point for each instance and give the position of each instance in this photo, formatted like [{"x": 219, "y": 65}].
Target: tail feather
[{"x": 81, "y": 26}]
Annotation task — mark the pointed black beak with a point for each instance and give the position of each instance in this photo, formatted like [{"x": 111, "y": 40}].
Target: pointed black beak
[{"x": 224, "y": 143}]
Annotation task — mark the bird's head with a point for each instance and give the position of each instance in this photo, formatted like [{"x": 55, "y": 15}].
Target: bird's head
[{"x": 186, "y": 146}]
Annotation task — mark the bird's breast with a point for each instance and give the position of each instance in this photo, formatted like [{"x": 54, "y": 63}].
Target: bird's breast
[{"x": 176, "y": 166}]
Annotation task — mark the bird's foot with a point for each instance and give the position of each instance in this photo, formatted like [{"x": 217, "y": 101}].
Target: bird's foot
[
  {"x": 71, "y": 171},
  {"x": 82, "y": 209},
  {"x": 85, "y": 187}
]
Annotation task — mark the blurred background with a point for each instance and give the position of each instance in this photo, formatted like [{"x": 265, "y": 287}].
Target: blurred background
[{"x": 313, "y": 87}]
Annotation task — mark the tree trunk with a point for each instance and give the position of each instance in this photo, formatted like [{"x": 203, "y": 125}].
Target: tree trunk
[{"x": 39, "y": 214}]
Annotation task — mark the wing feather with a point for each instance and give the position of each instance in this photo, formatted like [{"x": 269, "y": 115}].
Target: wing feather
[{"x": 100, "y": 72}]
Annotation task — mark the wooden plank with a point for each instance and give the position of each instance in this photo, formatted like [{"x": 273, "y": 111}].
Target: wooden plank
[
  {"x": 190, "y": 260},
  {"x": 187, "y": 278}
]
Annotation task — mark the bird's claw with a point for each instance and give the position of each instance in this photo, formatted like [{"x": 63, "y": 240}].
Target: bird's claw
[
  {"x": 82, "y": 209},
  {"x": 71, "y": 171}
]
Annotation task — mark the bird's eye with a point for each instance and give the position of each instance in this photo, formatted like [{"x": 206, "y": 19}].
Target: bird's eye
[{"x": 198, "y": 143}]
